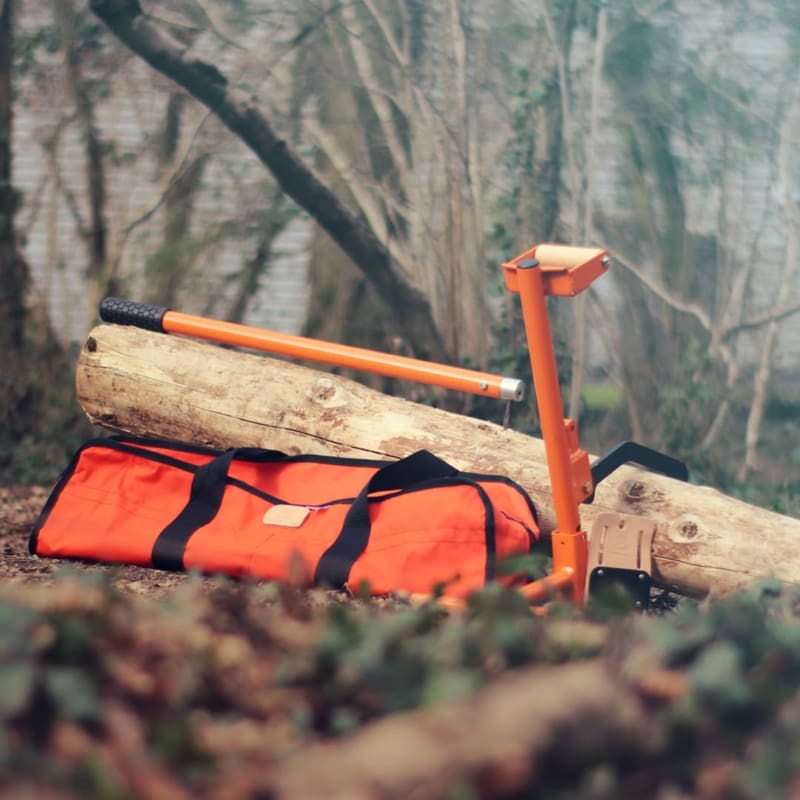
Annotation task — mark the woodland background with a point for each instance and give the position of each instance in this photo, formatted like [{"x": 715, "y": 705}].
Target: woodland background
[{"x": 359, "y": 170}]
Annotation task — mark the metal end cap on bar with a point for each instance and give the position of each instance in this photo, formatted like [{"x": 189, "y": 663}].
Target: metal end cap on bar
[{"x": 512, "y": 389}]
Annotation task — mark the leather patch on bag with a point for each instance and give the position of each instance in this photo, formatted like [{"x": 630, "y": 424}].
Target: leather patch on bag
[{"x": 286, "y": 516}]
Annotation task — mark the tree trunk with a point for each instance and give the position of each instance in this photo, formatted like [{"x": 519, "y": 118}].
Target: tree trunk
[
  {"x": 153, "y": 384},
  {"x": 14, "y": 277},
  {"x": 13, "y": 270},
  {"x": 74, "y": 45}
]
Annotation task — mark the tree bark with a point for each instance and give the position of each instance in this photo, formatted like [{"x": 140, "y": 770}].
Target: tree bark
[
  {"x": 13, "y": 269},
  {"x": 96, "y": 230},
  {"x": 14, "y": 276},
  {"x": 239, "y": 112},
  {"x": 153, "y": 384}
]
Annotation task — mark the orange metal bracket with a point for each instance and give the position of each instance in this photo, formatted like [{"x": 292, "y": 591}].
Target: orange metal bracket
[{"x": 543, "y": 270}]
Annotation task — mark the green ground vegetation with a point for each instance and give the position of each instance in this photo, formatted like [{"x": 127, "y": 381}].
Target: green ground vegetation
[{"x": 103, "y": 694}]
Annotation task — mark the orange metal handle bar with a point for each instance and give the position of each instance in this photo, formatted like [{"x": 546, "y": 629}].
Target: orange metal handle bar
[
  {"x": 164, "y": 320},
  {"x": 545, "y": 588},
  {"x": 538, "y": 591}
]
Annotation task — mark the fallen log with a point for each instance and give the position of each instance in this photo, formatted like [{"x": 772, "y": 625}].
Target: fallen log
[
  {"x": 145, "y": 383},
  {"x": 530, "y": 724}
]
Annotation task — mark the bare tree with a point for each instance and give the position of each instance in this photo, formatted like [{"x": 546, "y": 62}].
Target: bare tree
[
  {"x": 168, "y": 266},
  {"x": 692, "y": 264},
  {"x": 154, "y": 43},
  {"x": 13, "y": 268},
  {"x": 94, "y": 230},
  {"x": 32, "y": 365},
  {"x": 398, "y": 110},
  {"x": 583, "y": 195},
  {"x": 789, "y": 137}
]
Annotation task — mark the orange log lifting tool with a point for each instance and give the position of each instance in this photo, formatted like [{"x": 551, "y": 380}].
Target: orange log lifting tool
[
  {"x": 621, "y": 549},
  {"x": 562, "y": 271}
]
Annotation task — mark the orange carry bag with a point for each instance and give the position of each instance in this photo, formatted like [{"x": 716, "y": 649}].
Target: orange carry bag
[{"x": 412, "y": 524}]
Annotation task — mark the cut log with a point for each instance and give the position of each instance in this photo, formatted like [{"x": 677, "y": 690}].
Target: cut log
[
  {"x": 152, "y": 384},
  {"x": 502, "y": 740}
]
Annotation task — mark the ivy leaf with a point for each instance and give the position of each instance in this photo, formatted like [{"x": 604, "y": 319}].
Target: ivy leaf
[
  {"x": 718, "y": 679},
  {"x": 73, "y": 693},
  {"x": 16, "y": 687}
]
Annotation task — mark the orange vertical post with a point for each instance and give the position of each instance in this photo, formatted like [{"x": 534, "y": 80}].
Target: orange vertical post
[
  {"x": 548, "y": 391},
  {"x": 543, "y": 270},
  {"x": 569, "y": 543}
]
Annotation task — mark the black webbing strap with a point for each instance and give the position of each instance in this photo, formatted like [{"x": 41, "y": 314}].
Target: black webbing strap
[
  {"x": 336, "y": 562},
  {"x": 205, "y": 498}
]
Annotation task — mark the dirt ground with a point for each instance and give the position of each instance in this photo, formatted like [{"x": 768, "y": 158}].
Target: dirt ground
[{"x": 19, "y": 508}]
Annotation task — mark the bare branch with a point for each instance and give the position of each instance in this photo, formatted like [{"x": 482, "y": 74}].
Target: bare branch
[
  {"x": 341, "y": 163},
  {"x": 765, "y": 318},
  {"x": 249, "y": 122},
  {"x": 33, "y": 202},
  {"x": 167, "y": 179},
  {"x": 788, "y": 133},
  {"x": 663, "y": 294},
  {"x": 72, "y": 203},
  {"x": 217, "y": 25},
  {"x": 569, "y": 139},
  {"x": 388, "y": 34},
  {"x": 713, "y": 86},
  {"x": 579, "y": 354},
  {"x": 375, "y": 93}
]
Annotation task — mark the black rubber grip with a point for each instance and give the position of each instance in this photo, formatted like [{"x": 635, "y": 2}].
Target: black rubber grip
[{"x": 129, "y": 312}]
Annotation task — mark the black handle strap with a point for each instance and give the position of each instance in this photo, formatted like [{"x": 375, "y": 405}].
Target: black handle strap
[
  {"x": 336, "y": 562},
  {"x": 205, "y": 499},
  {"x": 208, "y": 489},
  {"x": 635, "y": 453}
]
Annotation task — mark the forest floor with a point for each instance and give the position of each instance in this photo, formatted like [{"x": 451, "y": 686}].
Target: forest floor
[
  {"x": 19, "y": 508},
  {"x": 121, "y": 682}
]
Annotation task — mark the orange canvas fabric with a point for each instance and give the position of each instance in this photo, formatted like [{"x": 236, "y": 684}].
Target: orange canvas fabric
[{"x": 406, "y": 525}]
